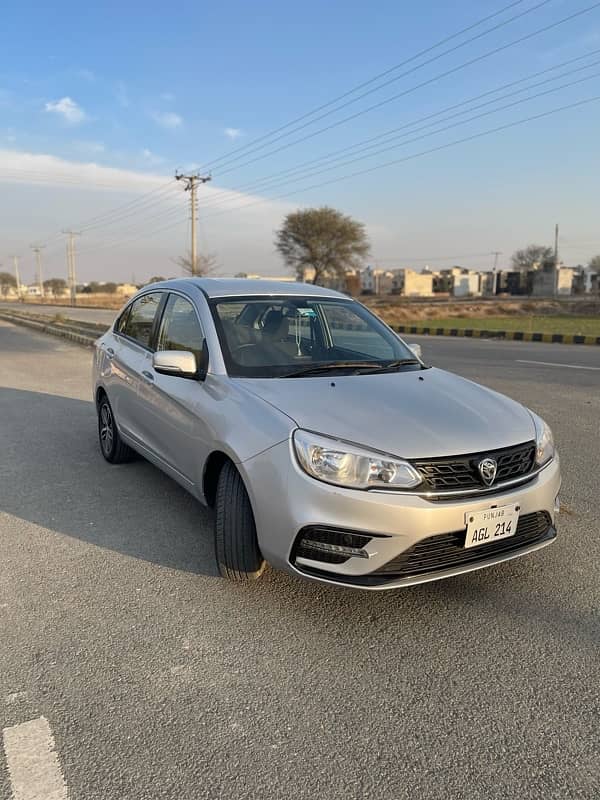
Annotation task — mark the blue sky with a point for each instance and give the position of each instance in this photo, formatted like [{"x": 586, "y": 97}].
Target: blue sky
[{"x": 144, "y": 88}]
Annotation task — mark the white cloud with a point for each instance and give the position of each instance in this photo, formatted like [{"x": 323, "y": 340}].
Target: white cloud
[
  {"x": 150, "y": 157},
  {"x": 233, "y": 133},
  {"x": 167, "y": 119},
  {"x": 54, "y": 193},
  {"x": 68, "y": 109}
]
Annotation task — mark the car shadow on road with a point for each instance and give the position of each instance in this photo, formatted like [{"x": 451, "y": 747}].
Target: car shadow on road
[{"x": 52, "y": 474}]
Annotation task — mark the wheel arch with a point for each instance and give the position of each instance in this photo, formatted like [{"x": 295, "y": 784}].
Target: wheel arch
[{"x": 210, "y": 477}]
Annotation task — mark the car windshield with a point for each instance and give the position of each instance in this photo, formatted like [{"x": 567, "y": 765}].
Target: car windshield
[{"x": 266, "y": 337}]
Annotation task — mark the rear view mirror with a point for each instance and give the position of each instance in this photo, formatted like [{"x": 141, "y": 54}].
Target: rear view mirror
[
  {"x": 178, "y": 363},
  {"x": 416, "y": 349}
]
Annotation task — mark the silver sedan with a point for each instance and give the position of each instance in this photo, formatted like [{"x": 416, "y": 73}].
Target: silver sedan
[{"x": 324, "y": 443}]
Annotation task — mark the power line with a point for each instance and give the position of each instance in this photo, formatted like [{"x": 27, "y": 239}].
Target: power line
[
  {"x": 141, "y": 225},
  {"x": 429, "y": 151},
  {"x": 431, "y": 258},
  {"x": 368, "y": 82},
  {"x": 143, "y": 201},
  {"x": 414, "y": 88},
  {"x": 325, "y": 162}
]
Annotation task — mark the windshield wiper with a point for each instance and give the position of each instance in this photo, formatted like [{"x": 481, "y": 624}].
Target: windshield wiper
[
  {"x": 401, "y": 362},
  {"x": 361, "y": 367},
  {"x": 314, "y": 369}
]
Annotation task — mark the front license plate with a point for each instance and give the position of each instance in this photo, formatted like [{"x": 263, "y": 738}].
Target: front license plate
[{"x": 491, "y": 525}]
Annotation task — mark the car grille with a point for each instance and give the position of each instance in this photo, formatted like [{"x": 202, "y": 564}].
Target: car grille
[
  {"x": 461, "y": 473},
  {"x": 447, "y": 550}
]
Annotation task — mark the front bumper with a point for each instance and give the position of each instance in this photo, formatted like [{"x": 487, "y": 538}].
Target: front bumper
[{"x": 397, "y": 521}]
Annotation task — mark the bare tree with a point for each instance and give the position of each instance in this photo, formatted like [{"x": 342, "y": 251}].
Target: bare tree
[
  {"x": 321, "y": 239},
  {"x": 535, "y": 255},
  {"x": 594, "y": 263},
  {"x": 206, "y": 263},
  {"x": 55, "y": 285}
]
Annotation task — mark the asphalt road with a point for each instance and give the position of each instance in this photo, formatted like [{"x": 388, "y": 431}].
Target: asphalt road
[{"x": 159, "y": 680}]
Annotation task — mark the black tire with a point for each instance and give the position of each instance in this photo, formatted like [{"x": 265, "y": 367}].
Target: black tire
[
  {"x": 238, "y": 556},
  {"x": 112, "y": 447}
]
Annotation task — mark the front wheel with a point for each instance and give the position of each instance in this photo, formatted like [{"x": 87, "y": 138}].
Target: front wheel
[
  {"x": 236, "y": 544},
  {"x": 113, "y": 448}
]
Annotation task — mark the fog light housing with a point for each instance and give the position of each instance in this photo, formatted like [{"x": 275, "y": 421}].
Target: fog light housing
[{"x": 329, "y": 545}]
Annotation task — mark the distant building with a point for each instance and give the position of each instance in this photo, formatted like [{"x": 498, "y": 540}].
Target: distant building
[
  {"x": 376, "y": 281},
  {"x": 545, "y": 282},
  {"x": 467, "y": 284},
  {"x": 126, "y": 289},
  {"x": 487, "y": 283},
  {"x": 409, "y": 283},
  {"x": 457, "y": 281}
]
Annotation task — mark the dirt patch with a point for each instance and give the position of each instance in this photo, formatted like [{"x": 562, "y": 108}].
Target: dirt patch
[{"x": 400, "y": 310}]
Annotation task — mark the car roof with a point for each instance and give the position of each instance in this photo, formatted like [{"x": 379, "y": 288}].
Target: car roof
[{"x": 248, "y": 287}]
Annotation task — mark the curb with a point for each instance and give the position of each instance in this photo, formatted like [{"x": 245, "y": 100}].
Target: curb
[
  {"x": 515, "y": 336},
  {"x": 42, "y": 327}
]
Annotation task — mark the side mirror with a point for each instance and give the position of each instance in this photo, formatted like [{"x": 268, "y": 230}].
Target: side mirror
[
  {"x": 177, "y": 363},
  {"x": 416, "y": 349}
]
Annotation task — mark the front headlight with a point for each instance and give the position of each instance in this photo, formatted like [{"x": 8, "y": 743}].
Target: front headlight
[
  {"x": 349, "y": 465},
  {"x": 544, "y": 441}
]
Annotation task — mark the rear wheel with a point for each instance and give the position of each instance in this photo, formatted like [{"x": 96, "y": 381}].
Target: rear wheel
[
  {"x": 113, "y": 448},
  {"x": 236, "y": 545}
]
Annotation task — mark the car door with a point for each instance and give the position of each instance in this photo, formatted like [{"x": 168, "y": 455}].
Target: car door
[
  {"x": 132, "y": 362},
  {"x": 178, "y": 409}
]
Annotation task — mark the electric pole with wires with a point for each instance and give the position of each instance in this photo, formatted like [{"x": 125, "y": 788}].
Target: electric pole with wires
[
  {"x": 191, "y": 185},
  {"x": 37, "y": 249},
  {"x": 71, "y": 276},
  {"x": 17, "y": 276},
  {"x": 495, "y": 253}
]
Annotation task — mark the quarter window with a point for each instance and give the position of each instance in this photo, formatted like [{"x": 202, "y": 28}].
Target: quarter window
[
  {"x": 139, "y": 322},
  {"x": 180, "y": 329}
]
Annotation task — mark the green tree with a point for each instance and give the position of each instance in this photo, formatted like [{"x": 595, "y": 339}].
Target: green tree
[
  {"x": 532, "y": 256},
  {"x": 156, "y": 279},
  {"x": 7, "y": 281},
  {"x": 109, "y": 288},
  {"x": 55, "y": 285},
  {"x": 323, "y": 239}
]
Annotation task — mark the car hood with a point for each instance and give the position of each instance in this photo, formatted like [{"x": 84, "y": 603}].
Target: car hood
[{"x": 411, "y": 414}]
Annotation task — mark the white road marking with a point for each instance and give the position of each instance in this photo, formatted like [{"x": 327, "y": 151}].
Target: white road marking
[
  {"x": 33, "y": 764},
  {"x": 552, "y": 364}
]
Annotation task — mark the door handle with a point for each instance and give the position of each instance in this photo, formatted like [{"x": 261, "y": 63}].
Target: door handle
[
  {"x": 110, "y": 352},
  {"x": 148, "y": 375}
]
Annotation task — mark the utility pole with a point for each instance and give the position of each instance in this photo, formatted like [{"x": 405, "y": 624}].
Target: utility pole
[
  {"x": 37, "y": 249},
  {"x": 71, "y": 276},
  {"x": 17, "y": 278},
  {"x": 495, "y": 253},
  {"x": 191, "y": 184},
  {"x": 556, "y": 260}
]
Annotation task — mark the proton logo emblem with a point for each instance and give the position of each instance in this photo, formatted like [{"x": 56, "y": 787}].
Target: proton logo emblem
[{"x": 487, "y": 469}]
